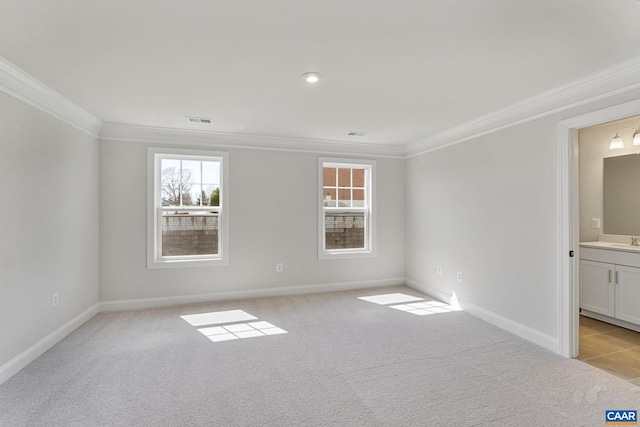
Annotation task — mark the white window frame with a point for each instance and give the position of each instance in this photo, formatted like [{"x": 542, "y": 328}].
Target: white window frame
[
  {"x": 370, "y": 210},
  {"x": 154, "y": 209}
]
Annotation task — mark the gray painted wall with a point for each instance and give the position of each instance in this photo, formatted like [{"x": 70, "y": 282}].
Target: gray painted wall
[
  {"x": 48, "y": 223},
  {"x": 273, "y": 214},
  {"x": 489, "y": 207}
]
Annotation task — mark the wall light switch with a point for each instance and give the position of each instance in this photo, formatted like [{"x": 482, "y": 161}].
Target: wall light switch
[
  {"x": 595, "y": 222},
  {"x": 459, "y": 276},
  {"x": 439, "y": 270},
  {"x": 279, "y": 267}
]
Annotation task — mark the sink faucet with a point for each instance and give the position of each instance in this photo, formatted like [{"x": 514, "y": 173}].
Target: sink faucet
[{"x": 635, "y": 242}]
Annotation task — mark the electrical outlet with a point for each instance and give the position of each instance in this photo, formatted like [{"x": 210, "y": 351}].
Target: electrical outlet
[
  {"x": 439, "y": 270},
  {"x": 459, "y": 276},
  {"x": 55, "y": 299},
  {"x": 279, "y": 267},
  {"x": 595, "y": 222}
]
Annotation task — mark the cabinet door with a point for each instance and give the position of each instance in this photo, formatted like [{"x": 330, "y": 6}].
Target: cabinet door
[
  {"x": 596, "y": 287},
  {"x": 628, "y": 294}
]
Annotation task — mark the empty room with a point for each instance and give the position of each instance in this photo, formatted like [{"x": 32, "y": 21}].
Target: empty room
[{"x": 348, "y": 213}]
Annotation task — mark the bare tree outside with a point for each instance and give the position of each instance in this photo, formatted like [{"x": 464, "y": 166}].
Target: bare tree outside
[{"x": 175, "y": 184}]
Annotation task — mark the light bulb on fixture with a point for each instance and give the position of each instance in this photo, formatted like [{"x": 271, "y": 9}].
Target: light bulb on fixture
[
  {"x": 616, "y": 143},
  {"x": 312, "y": 77},
  {"x": 636, "y": 137}
]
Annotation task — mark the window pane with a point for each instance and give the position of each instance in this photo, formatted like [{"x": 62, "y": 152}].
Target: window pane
[
  {"x": 344, "y": 231},
  {"x": 191, "y": 170},
  {"x": 344, "y": 198},
  {"x": 329, "y": 179},
  {"x": 199, "y": 196},
  {"x": 214, "y": 196},
  {"x": 344, "y": 177},
  {"x": 358, "y": 198},
  {"x": 191, "y": 182},
  {"x": 329, "y": 197},
  {"x": 170, "y": 182},
  {"x": 211, "y": 173},
  {"x": 194, "y": 233},
  {"x": 170, "y": 163},
  {"x": 358, "y": 177}
]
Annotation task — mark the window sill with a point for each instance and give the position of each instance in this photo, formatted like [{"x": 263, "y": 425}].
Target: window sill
[
  {"x": 347, "y": 254},
  {"x": 186, "y": 263}
]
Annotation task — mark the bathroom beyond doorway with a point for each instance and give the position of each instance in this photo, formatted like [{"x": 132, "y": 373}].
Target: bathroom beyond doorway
[{"x": 611, "y": 348}]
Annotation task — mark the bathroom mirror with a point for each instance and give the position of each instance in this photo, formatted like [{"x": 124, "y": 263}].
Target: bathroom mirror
[{"x": 622, "y": 195}]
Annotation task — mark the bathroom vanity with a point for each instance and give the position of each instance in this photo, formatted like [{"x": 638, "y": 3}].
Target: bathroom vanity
[{"x": 610, "y": 282}]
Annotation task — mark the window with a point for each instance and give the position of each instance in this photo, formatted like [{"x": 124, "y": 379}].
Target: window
[
  {"x": 346, "y": 217},
  {"x": 187, "y": 203}
]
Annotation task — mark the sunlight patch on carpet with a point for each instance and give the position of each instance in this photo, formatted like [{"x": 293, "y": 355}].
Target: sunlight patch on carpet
[
  {"x": 224, "y": 326},
  {"x": 385, "y": 299},
  {"x": 413, "y": 305},
  {"x": 425, "y": 308},
  {"x": 241, "y": 330},
  {"x": 218, "y": 317}
]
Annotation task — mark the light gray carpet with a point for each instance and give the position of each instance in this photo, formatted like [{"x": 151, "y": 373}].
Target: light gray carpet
[{"x": 343, "y": 362}]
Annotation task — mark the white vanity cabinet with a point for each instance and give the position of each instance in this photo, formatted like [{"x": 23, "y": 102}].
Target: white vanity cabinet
[
  {"x": 610, "y": 283},
  {"x": 597, "y": 291},
  {"x": 627, "y": 292}
]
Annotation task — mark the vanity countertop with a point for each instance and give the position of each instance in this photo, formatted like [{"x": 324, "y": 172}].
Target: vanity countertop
[{"x": 625, "y": 247}]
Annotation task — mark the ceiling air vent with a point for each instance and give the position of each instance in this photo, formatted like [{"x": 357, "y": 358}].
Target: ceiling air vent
[
  {"x": 354, "y": 133},
  {"x": 200, "y": 120}
]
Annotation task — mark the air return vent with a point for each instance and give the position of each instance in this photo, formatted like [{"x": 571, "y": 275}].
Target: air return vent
[
  {"x": 200, "y": 120},
  {"x": 355, "y": 133}
]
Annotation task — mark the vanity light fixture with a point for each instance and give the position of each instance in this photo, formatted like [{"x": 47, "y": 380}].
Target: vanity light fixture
[
  {"x": 616, "y": 143},
  {"x": 312, "y": 77}
]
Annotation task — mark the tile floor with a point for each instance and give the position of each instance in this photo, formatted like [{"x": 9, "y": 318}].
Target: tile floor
[{"x": 610, "y": 348}]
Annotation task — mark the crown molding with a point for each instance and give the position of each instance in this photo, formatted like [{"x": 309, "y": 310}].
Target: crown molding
[
  {"x": 189, "y": 137},
  {"x": 28, "y": 89},
  {"x": 610, "y": 81}
]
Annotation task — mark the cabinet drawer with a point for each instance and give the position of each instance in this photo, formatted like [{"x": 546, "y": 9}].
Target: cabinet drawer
[{"x": 631, "y": 259}]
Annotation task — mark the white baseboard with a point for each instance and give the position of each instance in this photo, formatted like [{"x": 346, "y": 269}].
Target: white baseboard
[
  {"x": 23, "y": 359},
  {"x": 17, "y": 363},
  {"x": 142, "y": 303},
  {"x": 501, "y": 322},
  {"x": 434, "y": 293},
  {"x": 523, "y": 331},
  {"x": 32, "y": 353}
]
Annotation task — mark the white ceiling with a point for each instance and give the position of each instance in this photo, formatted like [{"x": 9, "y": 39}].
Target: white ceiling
[{"x": 401, "y": 70}]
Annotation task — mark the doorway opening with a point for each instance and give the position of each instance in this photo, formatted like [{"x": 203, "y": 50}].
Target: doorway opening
[
  {"x": 609, "y": 267},
  {"x": 582, "y": 220}
]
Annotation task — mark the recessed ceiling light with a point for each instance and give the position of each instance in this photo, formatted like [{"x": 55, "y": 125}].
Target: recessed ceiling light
[{"x": 312, "y": 77}]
